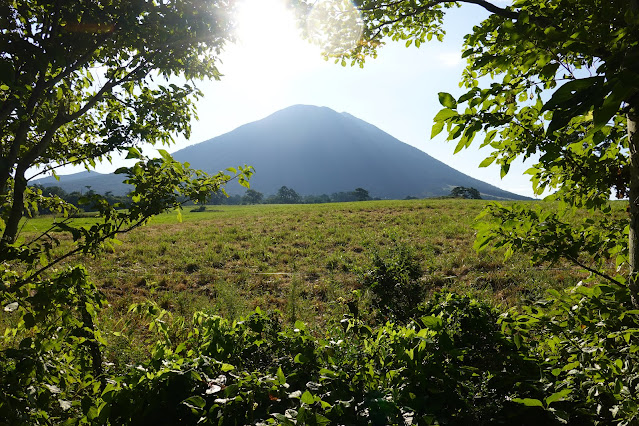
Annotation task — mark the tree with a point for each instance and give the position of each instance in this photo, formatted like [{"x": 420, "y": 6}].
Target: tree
[
  {"x": 78, "y": 82},
  {"x": 559, "y": 79},
  {"x": 287, "y": 195},
  {"x": 361, "y": 194},
  {"x": 463, "y": 192},
  {"x": 252, "y": 196}
]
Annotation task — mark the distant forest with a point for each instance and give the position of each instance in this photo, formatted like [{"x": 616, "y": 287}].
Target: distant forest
[{"x": 285, "y": 195}]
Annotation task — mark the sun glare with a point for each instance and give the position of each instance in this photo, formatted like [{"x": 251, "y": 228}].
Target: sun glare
[
  {"x": 269, "y": 47},
  {"x": 270, "y": 50}
]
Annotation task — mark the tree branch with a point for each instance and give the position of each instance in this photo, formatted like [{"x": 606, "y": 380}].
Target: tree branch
[
  {"x": 492, "y": 8},
  {"x": 594, "y": 271},
  {"x": 504, "y": 13}
]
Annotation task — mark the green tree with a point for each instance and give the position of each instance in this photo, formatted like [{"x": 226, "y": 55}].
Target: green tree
[
  {"x": 287, "y": 195},
  {"x": 78, "y": 82},
  {"x": 252, "y": 196},
  {"x": 463, "y": 192},
  {"x": 556, "y": 78},
  {"x": 361, "y": 194}
]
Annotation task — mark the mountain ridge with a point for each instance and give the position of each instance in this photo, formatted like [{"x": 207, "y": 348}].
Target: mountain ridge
[{"x": 315, "y": 151}]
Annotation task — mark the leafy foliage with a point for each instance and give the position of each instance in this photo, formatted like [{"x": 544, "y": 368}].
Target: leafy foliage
[
  {"x": 585, "y": 341},
  {"x": 463, "y": 192},
  {"x": 393, "y": 280},
  {"x": 452, "y": 365},
  {"x": 554, "y": 79},
  {"x": 77, "y": 83}
]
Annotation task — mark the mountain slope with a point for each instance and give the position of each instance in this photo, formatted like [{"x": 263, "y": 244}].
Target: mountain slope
[
  {"x": 314, "y": 150},
  {"x": 84, "y": 181}
]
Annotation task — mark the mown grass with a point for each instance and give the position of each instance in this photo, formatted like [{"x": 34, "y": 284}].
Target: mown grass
[{"x": 305, "y": 259}]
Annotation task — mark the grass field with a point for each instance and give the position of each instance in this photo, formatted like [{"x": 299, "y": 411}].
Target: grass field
[{"x": 305, "y": 260}]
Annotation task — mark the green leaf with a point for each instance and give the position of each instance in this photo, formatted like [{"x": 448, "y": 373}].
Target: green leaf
[
  {"x": 195, "y": 402},
  {"x": 133, "y": 153},
  {"x": 557, "y": 396},
  {"x": 445, "y": 114},
  {"x": 328, "y": 373},
  {"x": 227, "y": 367},
  {"x": 487, "y": 162},
  {"x": 165, "y": 155},
  {"x": 518, "y": 340},
  {"x": 432, "y": 322},
  {"x": 437, "y": 129},
  {"x": 307, "y": 398},
  {"x": 280, "y": 376},
  {"x": 300, "y": 359},
  {"x": 447, "y": 100},
  {"x": 601, "y": 116},
  {"x": 529, "y": 402}
]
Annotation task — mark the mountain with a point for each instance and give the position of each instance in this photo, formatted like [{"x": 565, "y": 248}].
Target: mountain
[
  {"x": 83, "y": 181},
  {"x": 315, "y": 151}
]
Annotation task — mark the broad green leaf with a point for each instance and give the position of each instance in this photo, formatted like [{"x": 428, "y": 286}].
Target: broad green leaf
[
  {"x": 432, "y": 322},
  {"x": 307, "y": 398},
  {"x": 558, "y": 396},
  {"x": 528, "y": 402},
  {"x": 195, "y": 402},
  {"x": 487, "y": 162},
  {"x": 437, "y": 129},
  {"x": 227, "y": 367},
  {"x": 445, "y": 114},
  {"x": 180, "y": 348},
  {"x": 133, "y": 153},
  {"x": 280, "y": 376},
  {"x": 165, "y": 155},
  {"x": 300, "y": 359},
  {"x": 447, "y": 100}
]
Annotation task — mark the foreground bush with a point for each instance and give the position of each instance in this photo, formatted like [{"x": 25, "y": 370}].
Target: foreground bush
[
  {"x": 433, "y": 371},
  {"x": 570, "y": 360}
]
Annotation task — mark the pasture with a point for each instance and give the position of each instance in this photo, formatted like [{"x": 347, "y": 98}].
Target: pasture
[{"x": 305, "y": 260}]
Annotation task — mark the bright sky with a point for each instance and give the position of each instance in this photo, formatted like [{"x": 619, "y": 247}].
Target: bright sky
[{"x": 272, "y": 68}]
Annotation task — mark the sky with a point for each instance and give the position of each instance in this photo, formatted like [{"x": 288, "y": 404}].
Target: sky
[{"x": 271, "y": 68}]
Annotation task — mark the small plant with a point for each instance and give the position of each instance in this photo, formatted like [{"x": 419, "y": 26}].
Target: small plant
[{"x": 392, "y": 278}]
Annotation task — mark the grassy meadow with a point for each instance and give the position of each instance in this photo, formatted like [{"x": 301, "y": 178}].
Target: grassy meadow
[
  {"x": 304, "y": 260},
  {"x": 339, "y": 331}
]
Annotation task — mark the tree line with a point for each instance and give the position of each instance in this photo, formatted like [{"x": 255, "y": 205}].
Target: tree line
[{"x": 285, "y": 195}]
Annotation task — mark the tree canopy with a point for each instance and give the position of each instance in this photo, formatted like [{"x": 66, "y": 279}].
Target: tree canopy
[
  {"x": 463, "y": 192},
  {"x": 554, "y": 78},
  {"x": 81, "y": 80}
]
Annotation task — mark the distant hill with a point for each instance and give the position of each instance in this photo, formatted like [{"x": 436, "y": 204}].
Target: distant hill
[
  {"x": 315, "y": 150},
  {"x": 83, "y": 181}
]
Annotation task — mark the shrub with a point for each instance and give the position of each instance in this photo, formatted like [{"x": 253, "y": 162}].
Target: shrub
[
  {"x": 392, "y": 278},
  {"x": 432, "y": 371},
  {"x": 586, "y": 341}
]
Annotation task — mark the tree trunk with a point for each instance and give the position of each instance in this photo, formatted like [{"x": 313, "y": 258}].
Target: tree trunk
[
  {"x": 15, "y": 213},
  {"x": 633, "y": 237}
]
